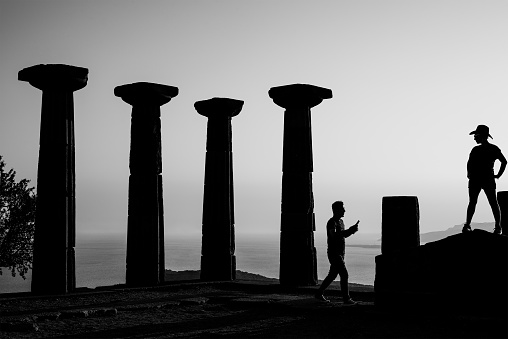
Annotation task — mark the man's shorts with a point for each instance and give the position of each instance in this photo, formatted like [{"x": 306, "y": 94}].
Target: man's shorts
[{"x": 482, "y": 184}]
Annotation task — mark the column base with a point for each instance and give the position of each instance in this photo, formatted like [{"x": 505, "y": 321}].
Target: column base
[
  {"x": 218, "y": 268},
  {"x": 298, "y": 259},
  {"x": 54, "y": 272}
]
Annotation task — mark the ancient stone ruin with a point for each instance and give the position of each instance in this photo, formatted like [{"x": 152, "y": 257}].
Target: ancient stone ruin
[
  {"x": 145, "y": 223},
  {"x": 298, "y": 262},
  {"x": 465, "y": 272},
  {"x": 400, "y": 223},
  {"x": 218, "y": 261},
  {"x": 55, "y": 220}
]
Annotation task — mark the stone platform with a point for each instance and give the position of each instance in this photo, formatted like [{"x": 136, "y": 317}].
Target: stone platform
[{"x": 243, "y": 308}]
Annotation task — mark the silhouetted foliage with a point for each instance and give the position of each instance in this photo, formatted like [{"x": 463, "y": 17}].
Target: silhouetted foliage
[{"x": 17, "y": 222}]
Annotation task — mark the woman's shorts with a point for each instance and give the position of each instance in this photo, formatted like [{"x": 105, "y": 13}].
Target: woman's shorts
[{"x": 482, "y": 184}]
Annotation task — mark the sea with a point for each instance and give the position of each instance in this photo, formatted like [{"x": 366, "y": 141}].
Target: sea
[{"x": 100, "y": 259}]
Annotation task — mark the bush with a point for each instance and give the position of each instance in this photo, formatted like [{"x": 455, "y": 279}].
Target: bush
[{"x": 17, "y": 222}]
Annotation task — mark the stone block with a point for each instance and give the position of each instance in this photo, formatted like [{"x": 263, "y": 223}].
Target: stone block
[
  {"x": 144, "y": 227},
  {"x": 297, "y": 148},
  {"x": 146, "y": 145},
  {"x": 298, "y": 260},
  {"x": 218, "y": 267},
  {"x": 297, "y": 196},
  {"x": 297, "y": 222},
  {"x": 146, "y": 93},
  {"x": 55, "y": 76},
  {"x": 298, "y": 95},
  {"x": 400, "y": 225},
  {"x": 219, "y": 107}
]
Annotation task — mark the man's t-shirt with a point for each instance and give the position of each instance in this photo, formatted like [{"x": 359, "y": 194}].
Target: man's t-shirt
[
  {"x": 480, "y": 165},
  {"x": 336, "y": 236}
]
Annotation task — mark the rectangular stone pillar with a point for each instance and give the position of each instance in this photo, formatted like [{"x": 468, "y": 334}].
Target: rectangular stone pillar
[{"x": 400, "y": 226}]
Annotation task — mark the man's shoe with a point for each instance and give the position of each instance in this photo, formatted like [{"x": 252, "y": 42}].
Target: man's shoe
[
  {"x": 497, "y": 230},
  {"x": 321, "y": 297},
  {"x": 349, "y": 302},
  {"x": 466, "y": 228}
]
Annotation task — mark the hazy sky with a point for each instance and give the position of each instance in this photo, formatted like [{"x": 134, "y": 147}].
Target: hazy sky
[{"x": 410, "y": 80}]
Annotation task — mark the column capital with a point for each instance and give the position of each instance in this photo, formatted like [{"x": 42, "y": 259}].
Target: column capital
[
  {"x": 219, "y": 107},
  {"x": 298, "y": 95},
  {"x": 146, "y": 93},
  {"x": 53, "y": 76}
]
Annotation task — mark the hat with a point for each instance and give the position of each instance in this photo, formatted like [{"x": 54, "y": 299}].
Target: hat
[{"x": 481, "y": 129}]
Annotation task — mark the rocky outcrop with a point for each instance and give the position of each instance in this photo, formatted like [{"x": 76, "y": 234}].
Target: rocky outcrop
[{"x": 465, "y": 272}]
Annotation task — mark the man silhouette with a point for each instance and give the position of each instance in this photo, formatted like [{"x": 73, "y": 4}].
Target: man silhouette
[
  {"x": 480, "y": 171},
  {"x": 336, "y": 235}
]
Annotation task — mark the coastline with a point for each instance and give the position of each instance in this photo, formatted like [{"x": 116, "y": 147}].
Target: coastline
[
  {"x": 173, "y": 276},
  {"x": 193, "y": 275},
  {"x": 102, "y": 261}
]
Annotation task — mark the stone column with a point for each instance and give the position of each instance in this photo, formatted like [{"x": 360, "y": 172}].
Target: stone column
[
  {"x": 145, "y": 223},
  {"x": 298, "y": 263},
  {"x": 502, "y": 200},
  {"x": 218, "y": 261},
  {"x": 55, "y": 220},
  {"x": 400, "y": 224}
]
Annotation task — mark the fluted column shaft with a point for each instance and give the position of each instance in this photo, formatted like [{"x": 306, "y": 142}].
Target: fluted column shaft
[
  {"x": 218, "y": 261},
  {"x": 55, "y": 220},
  {"x": 145, "y": 223},
  {"x": 298, "y": 261}
]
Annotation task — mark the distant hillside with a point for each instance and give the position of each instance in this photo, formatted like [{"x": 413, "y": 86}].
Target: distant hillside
[
  {"x": 434, "y": 236},
  {"x": 194, "y": 275}
]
